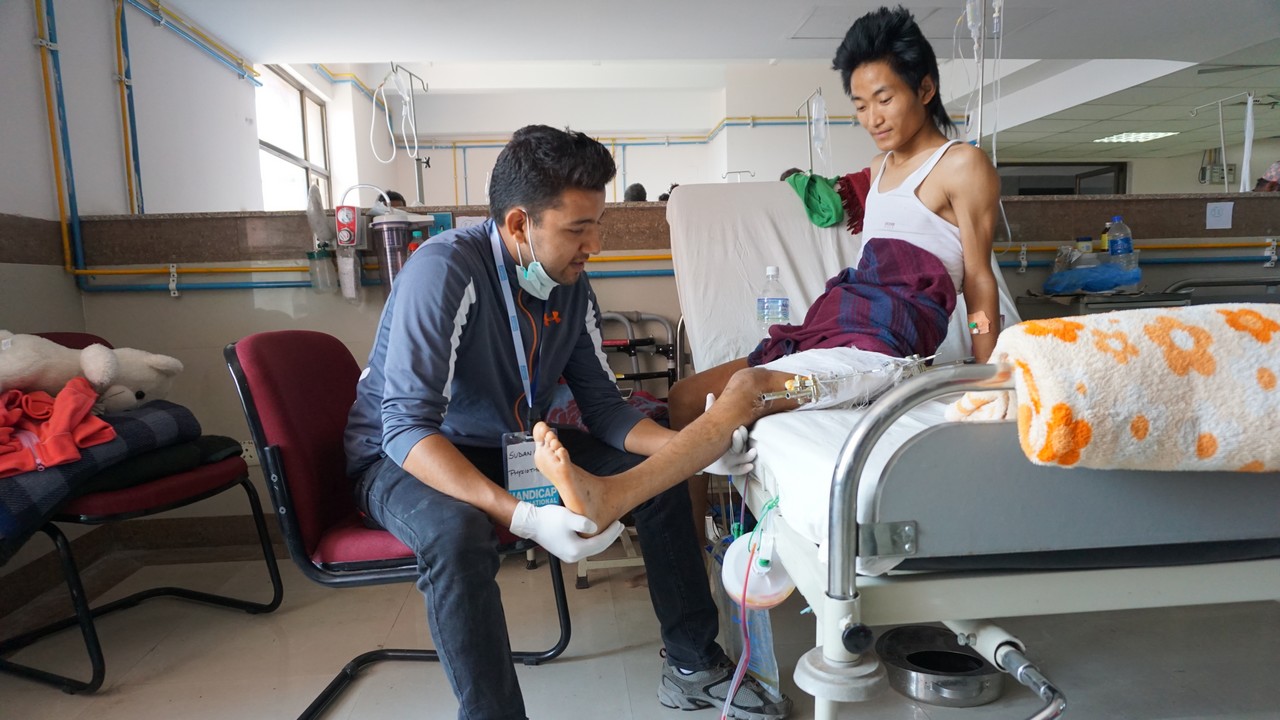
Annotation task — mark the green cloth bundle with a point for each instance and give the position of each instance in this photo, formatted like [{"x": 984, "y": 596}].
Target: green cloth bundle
[{"x": 821, "y": 201}]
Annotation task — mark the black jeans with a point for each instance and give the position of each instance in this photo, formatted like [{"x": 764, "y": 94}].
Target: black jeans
[{"x": 457, "y": 551}]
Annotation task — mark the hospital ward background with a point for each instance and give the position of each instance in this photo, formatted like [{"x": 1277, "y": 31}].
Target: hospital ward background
[{"x": 185, "y": 179}]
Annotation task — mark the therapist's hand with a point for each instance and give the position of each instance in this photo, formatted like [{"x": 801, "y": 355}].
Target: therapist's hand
[
  {"x": 739, "y": 459},
  {"x": 556, "y": 529}
]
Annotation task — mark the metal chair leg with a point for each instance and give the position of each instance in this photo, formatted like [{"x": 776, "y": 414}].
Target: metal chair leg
[
  {"x": 348, "y": 673},
  {"x": 83, "y": 617},
  {"x": 562, "y": 610}
]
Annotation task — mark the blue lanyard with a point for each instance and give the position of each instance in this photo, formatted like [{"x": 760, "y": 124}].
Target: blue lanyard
[{"x": 516, "y": 339}]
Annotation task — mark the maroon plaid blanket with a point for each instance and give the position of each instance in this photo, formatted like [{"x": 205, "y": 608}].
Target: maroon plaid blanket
[{"x": 897, "y": 302}]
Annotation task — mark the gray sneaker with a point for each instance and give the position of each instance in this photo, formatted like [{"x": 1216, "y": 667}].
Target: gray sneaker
[{"x": 707, "y": 688}]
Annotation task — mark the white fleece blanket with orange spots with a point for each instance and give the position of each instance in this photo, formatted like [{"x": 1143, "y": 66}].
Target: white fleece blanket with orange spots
[{"x": 1191, "y": 388}]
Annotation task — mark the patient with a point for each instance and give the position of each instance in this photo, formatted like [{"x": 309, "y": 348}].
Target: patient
[{"x": 928, "y": 227}]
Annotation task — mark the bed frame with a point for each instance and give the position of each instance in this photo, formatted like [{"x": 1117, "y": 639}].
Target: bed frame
[{"x": 1044, "y": 515}]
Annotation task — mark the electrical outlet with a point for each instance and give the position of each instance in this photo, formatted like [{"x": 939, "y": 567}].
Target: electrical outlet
[{"x": 249, "y": 452}]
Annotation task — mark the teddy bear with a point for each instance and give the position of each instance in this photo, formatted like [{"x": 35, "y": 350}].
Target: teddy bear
[{"x": 123, "y": 377}]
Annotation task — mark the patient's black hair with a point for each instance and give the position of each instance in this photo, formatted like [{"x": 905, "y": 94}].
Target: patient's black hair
[
  {"x": 542, "y": 162},
  {"x": 893, "y": 36}
]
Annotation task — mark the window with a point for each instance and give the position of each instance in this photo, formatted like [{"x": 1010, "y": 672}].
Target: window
[
  {"x": 1064, "y": 178},
  {"x": 292, "y": 151}
]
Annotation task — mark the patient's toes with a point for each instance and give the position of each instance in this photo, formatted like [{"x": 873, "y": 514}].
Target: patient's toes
[{"x": 541, "y": 431}]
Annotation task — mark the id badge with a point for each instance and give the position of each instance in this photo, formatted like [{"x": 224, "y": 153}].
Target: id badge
[{"x": 524, "y": 480}]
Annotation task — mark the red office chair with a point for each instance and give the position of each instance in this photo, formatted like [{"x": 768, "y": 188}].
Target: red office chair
[
  {"x": 296, "y": 388},
  {"x": 148, "y": 498}
]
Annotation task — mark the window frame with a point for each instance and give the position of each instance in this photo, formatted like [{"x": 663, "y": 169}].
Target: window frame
[{"x": 306, "y": 163}]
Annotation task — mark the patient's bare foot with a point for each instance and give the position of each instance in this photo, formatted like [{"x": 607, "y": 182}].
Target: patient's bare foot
[{"x": 580, "y": 491}]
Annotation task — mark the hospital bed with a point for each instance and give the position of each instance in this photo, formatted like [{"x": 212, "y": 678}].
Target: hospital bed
[{"x": 890, "y": 515}]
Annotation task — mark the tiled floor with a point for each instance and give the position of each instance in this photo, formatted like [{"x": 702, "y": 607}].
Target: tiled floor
[{"x": 170, "y": 659}]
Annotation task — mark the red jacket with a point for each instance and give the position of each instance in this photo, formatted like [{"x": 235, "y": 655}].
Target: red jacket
[{"x": 38, "y": 431}]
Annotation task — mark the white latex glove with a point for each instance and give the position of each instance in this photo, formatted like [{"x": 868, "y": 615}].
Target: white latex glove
[
  {"x": 738, "y": 459},
  {"x": 556, "y": 529}
]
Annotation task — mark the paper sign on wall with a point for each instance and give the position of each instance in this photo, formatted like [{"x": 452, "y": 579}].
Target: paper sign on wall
[{"x": 1217, "y": 215}]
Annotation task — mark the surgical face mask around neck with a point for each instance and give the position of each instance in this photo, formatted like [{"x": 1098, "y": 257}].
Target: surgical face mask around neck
[{"x": 534, "y": 278}]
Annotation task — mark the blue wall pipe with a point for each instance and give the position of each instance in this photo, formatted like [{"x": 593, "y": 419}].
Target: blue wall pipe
[
  {"x": 195, "y": 41},
  {"x": 133, "y": 121},
  {"x": 630, "y": 273},
  {"x": 77, "y": 245},
  {"x": 601, "y": 274},
  {"x": 624, "y": 169},
  {"x": 1228, "y": 260}
]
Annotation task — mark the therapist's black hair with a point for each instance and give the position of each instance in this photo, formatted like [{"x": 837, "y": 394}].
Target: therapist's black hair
[
  {"x": 542, "y": 162},
  {"x": 893, "y": 36}
]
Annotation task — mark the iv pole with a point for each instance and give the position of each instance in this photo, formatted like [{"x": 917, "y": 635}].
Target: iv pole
[
  {"x": 1222, "y": 133},
  {"x": 808, "y": 123}
]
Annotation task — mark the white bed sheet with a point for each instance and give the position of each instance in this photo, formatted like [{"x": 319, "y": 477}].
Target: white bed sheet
[{"x": 797, "y": 454}]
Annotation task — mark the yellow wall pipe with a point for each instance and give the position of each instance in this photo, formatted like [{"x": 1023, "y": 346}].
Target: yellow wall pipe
[
  {"x": 654, "y": 138},
  {"x": 598, "y": 259},
  {"x": 124, "y": 111},
  {"x": 604, "y": 259},
  {"x": 189, "y": 27},
  {"x": 356, "y": 79},
  {"x": 189, "y": 270},
  {"x": 42, "y": 28}
]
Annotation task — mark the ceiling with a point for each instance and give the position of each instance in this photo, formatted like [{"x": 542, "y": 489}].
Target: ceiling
[{"x": 1201, "y": 35}]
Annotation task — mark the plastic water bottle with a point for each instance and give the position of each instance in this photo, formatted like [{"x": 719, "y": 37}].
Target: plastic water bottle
[
  {"x": 772, "y": 305},
  {"x": 1120, "y": 244}
]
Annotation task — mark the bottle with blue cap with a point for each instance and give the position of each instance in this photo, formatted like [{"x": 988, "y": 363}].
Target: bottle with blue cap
[
  {"x": 1120, "y": 244},
  {"x": 773, "y": 307}
]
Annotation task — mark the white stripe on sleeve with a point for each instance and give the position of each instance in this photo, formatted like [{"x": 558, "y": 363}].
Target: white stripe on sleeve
[{"x": 459, "y": 321}]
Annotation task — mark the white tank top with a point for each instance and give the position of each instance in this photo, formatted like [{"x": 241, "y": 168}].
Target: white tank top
[{"x": 899, "y": 214}]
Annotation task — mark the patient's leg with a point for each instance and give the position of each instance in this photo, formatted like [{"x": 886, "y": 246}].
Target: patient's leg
[
  {"x": 696, "y": 446},
  {"x": 686, "y": 403}
]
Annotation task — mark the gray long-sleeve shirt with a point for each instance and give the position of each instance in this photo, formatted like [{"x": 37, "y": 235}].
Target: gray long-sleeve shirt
[{"x": 443, "y": 360}]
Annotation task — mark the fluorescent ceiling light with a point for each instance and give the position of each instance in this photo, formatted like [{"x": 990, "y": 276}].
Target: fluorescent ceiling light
[{"x": 1135, "y": 137}]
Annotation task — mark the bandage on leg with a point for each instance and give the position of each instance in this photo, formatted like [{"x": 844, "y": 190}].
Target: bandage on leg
[{"x": 839, "y": 377}]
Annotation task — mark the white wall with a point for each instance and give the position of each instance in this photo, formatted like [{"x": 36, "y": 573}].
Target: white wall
[
  {"x": 26, "y": 186},
  {"x": 196, "y": 120},
  {"x": 1181, "y": 174},
  {"x": 657, "y": 167},
  {"x": 197, "y": 132},
  {"x": 197, "y": 142}
]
